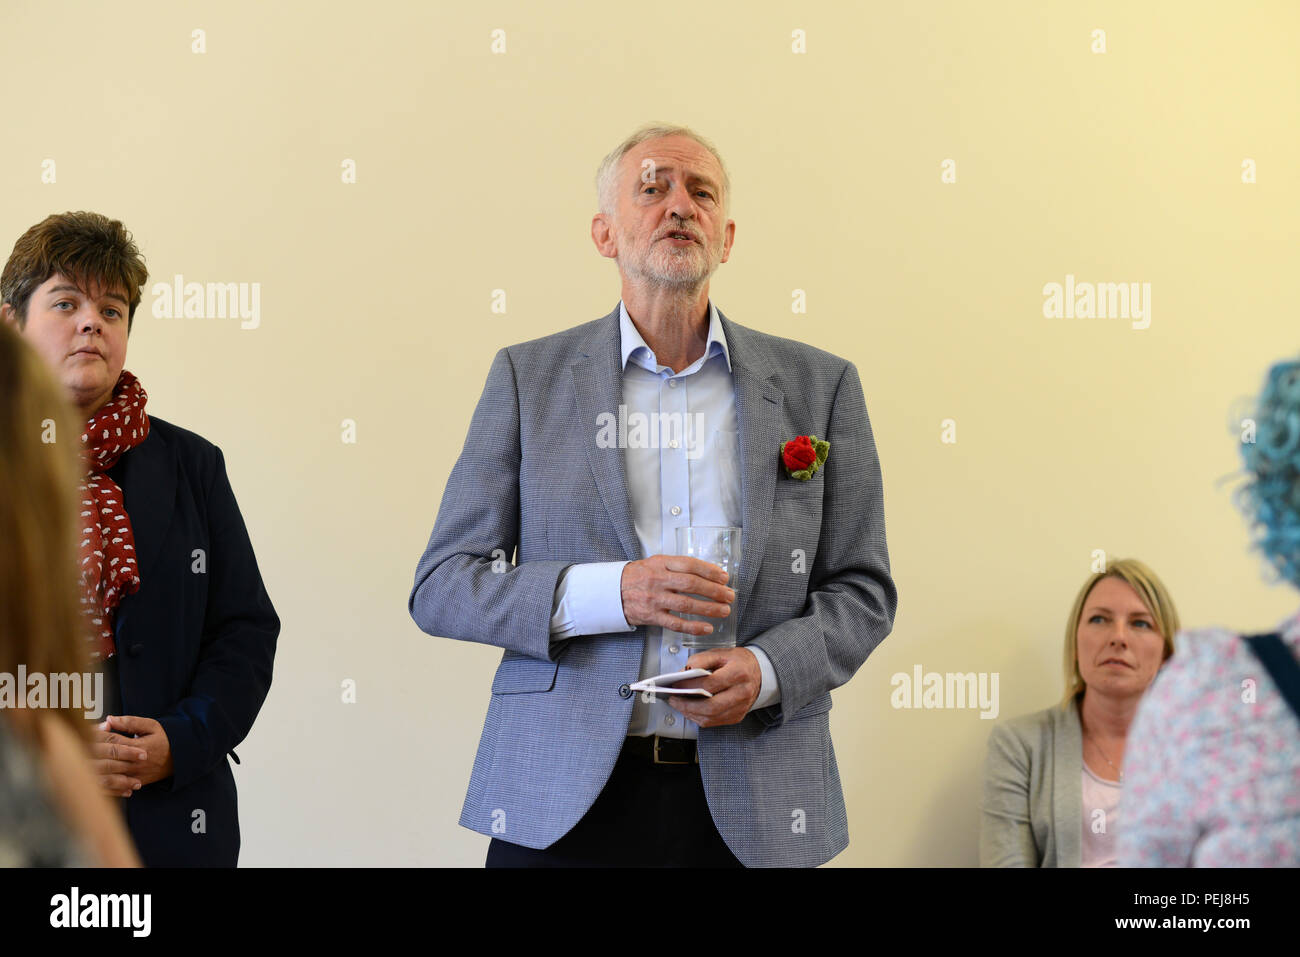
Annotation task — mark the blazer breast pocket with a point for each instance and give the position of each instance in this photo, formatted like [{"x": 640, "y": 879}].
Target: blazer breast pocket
[
  {"x": 791, "y": 493},
  {"x": 518, "y": 674}
]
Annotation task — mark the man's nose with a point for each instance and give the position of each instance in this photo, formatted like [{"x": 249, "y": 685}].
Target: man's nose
[{"x": 680, "y": 203}]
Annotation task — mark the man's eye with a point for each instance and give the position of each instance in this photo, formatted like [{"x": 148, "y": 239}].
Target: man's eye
[
  {"x": 114, "y": 312},
  {"x": 62, "y": 303}
]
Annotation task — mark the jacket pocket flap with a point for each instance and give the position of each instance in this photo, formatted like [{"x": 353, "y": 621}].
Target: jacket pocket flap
[
  {"x": 522, "y": 673},
  {"x": 816, "y": 706}
]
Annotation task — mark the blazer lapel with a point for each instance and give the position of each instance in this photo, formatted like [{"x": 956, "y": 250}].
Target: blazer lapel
[
  {"x": 147, "y": 475},
  {"x": 1067, "y": 788},
  {"x": 759, "y": 406},
  {"x": 598, "y": 389}
]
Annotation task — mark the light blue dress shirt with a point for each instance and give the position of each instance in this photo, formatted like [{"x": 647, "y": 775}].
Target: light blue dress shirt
[{"x": 689, "y": 475}]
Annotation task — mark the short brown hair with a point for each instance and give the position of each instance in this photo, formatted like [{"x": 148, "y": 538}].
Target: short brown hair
[
  {"x": 41, "y": 625},
  {"x": 88, "y": 248}
]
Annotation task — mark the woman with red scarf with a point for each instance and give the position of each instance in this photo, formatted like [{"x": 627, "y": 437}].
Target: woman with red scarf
[{"x": 174, "y": 605}]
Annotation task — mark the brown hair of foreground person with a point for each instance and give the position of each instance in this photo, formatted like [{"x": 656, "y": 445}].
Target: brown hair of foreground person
[{"x": 41, "y": 627}]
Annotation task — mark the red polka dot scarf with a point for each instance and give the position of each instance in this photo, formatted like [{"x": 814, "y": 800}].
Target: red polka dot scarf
[{"x": 108, "y": 566}]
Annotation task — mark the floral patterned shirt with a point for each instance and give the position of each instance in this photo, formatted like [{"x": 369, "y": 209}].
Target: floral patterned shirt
[{"x": 1212, "y": 765}]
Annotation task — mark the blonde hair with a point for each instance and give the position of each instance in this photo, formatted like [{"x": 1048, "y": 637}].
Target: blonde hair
[
  {"x": 41, "y": 625},
  {"x": 1154, "y": 595}
]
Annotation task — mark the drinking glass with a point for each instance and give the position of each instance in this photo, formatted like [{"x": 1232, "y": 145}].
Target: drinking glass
[{"x": 721, "y": 546}]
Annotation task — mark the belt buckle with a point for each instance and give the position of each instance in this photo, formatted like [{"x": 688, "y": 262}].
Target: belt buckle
[{"x": 657, "y": 759}]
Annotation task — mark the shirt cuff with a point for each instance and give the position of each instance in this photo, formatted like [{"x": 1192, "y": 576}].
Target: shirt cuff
[
  {"x": 589, "y": 601},
  {"x": 769, "y": 693}
]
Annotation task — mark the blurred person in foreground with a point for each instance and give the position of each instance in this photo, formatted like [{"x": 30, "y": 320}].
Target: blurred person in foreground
[
  {"x": 1053, "y": 779},
  {"x": 182, "y": 624},
  {"x": 1214, "y": 767},
  {"x": 52, "y": 812}
]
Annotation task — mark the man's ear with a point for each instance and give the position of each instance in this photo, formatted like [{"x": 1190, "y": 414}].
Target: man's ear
[
  {"x": 9, "y": 315},
  {"x": 602, "y": 234}
]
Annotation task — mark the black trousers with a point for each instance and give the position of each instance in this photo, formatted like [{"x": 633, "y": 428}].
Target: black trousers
[{"x": 648, "y": 815}]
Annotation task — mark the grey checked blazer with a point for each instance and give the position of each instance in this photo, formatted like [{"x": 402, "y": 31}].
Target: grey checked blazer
[{"x": 531, "y": 478}]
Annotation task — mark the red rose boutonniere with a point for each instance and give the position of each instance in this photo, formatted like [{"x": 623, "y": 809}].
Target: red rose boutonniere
[{"x": 803, "y": 456}]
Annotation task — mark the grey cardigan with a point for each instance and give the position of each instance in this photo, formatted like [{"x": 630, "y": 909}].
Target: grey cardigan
[{"x": 1031, "y": 814}]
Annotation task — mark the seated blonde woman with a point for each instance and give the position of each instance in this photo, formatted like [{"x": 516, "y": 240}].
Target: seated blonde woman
[
  {"x": 52, "y": 811},
  {"x": 1053, "y": 779}
]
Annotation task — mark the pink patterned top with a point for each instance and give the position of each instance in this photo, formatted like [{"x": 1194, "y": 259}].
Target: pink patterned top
[{"x": 1212, "y": 765}]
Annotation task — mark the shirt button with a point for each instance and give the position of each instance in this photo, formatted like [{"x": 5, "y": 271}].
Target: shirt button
[
  {"x": 676, "y": 510},
  {"x": 670, "y": 720},
  {"x": 672, "y": 649},
  {"x": 672, "y": 383},
  {"x": 672, "y": 444},
  {"x": 625, "y": 691}
]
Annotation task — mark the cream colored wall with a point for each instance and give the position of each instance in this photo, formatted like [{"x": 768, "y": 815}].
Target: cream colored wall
[{"x": 474, "y": 173}]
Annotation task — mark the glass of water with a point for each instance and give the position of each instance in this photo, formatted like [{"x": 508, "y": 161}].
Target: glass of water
[{"x": 719, "y": 545}]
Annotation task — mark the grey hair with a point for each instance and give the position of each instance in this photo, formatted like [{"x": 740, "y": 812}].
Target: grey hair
[{"x": 607, "y": 174}]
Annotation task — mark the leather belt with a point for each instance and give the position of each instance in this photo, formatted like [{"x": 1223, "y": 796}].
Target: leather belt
[{"x": 661, "y": 750}]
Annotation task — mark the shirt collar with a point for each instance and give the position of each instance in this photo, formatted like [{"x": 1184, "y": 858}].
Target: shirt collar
[{"x": 632, "y": 343}]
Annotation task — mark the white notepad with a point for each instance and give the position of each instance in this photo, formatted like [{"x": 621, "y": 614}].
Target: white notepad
[{"x": 662, "y": 684}]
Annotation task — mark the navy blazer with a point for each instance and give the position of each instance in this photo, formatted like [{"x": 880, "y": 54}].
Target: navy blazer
[{"x": 194, "y": 645}]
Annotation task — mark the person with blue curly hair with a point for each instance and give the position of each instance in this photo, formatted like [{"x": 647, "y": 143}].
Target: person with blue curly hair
[{"x": 1213, "y": 767}]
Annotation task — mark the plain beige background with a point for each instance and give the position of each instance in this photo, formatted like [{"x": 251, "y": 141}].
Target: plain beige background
[{"x": 474, "y": 172}]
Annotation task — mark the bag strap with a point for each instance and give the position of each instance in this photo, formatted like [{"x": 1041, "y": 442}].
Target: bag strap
[{"x": 1281, "y": 665}]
